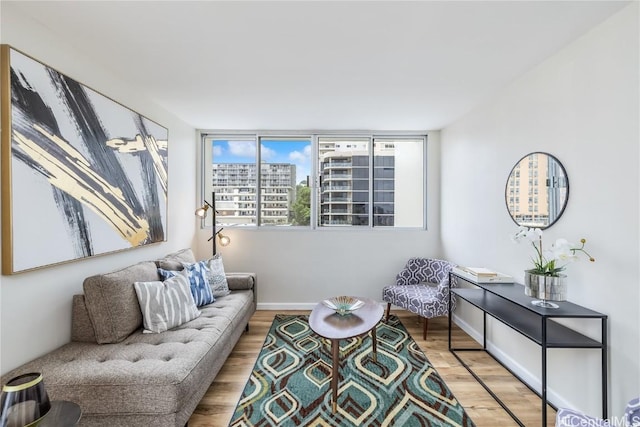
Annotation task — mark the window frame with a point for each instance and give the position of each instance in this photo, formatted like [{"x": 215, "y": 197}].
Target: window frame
[{"x": 206, "y": 136}]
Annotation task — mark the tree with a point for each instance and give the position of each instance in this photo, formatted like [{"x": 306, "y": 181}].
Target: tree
[{"x": 302, "y": 206}]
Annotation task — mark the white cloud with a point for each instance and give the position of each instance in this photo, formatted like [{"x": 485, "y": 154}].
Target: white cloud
[
  {"x": 301, "y": 157},
  {"x": 296, "y": 156},
  {"x": 267, "y": 153},
  {"x": 217, "y": 151},
  {"x": 242, "y": 148}
]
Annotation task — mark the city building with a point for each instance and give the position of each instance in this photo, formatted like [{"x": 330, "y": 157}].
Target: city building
[
  {"x": 235, "y": 185},
  {"x": 344, "y": 193},
  {"x": 536, "y": 190}
]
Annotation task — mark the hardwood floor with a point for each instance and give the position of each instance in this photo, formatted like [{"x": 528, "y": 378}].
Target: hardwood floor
[{"x": 217, "y": 406}]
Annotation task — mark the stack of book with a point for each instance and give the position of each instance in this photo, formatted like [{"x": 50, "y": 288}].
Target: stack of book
[{"x": 482, "y": 275}]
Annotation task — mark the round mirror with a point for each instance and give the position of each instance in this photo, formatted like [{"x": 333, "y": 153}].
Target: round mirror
[{"x": 537, "y": 190}]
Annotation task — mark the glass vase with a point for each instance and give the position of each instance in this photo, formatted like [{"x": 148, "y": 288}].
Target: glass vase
[{"x": 545, "y": 288}]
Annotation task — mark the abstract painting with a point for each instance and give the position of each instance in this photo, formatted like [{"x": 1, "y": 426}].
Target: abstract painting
[{"x": 82, "y": 175}]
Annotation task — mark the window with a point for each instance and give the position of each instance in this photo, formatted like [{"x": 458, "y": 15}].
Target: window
[
  {"x": 284, "y": 174},
  {"x": 380, "y": 195},
  {"x": 343, "y": 171},
  {"x": 363, "y": 181},
  {"x": 231, "y": 164}
]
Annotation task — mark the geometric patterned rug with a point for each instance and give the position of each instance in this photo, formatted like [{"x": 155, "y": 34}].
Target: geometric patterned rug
[{"x": 291, "y": 382}]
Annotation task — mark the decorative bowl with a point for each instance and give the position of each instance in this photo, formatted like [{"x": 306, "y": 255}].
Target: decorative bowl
[{"x": 343, "y": 304}]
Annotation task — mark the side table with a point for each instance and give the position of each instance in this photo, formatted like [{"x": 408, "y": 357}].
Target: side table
[{"x": 62, "y": 414}]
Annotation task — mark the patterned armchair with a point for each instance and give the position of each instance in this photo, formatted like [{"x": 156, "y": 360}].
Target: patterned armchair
[
  {"x": 422, "y": 287},
  {"x": 569, "y": 417}
]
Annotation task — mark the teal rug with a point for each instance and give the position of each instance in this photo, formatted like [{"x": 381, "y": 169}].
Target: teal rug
[{"x": 291, "y": 382}]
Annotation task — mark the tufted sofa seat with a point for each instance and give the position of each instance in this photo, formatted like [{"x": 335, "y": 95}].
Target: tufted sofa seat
[{"x": 145, "y": 379}]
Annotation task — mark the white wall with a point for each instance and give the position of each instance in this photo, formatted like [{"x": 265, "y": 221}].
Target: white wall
[
  {"x": 580, "y": 105},
  {"x": 36, "y": 306},
  {"x": 296, "y": 268}
]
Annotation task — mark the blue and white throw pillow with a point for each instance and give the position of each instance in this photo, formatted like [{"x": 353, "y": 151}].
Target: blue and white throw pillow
[
  {"x": 166, "y": 305},
  {"x": 198, "y": 274},
  {"x": 217, "y": 277}
]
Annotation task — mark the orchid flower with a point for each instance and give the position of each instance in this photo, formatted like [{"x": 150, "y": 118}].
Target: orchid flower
[
  {"x": 562, "y": 250},
  {"x": 544, "y": 261}
]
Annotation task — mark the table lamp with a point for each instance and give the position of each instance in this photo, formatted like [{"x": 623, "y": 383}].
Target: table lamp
[{"x": 24, "y": 401}]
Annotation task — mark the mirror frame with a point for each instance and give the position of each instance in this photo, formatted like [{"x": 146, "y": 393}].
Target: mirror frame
[{"x": 566, "y": 200}]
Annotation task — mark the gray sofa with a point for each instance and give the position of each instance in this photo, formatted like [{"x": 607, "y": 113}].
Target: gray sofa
[{"x": 122, "y": 377}]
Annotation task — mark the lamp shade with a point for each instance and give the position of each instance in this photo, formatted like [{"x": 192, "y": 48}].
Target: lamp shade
[
  {"x": 224, "y": 239},
  {"x": 24, "y": 401},
  {"x": 202, "y": 212}
]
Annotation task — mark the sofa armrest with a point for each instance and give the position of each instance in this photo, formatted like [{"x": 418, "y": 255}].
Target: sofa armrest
[
  {"x": 81, "y": 327},
  {"x": 241, "y": 281},
  {"x": 244, "y": 281}
]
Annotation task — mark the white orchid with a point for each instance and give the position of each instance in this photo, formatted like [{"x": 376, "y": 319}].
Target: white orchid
[
  {"x": 527, "y": 234},
  {"x": 545, "y": 261},
  {"x": 562, "y": 250}
]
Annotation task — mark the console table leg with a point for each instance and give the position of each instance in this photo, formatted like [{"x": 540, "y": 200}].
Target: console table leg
[
  {"x": 450, "y": 314},
  {"x": 603, "y": 341},
  {"x": 484, "y": 330},
  {"x": 544, "y": 372}
]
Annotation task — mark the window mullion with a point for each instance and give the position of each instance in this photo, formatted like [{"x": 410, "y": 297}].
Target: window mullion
[
  {"x": 371, "y": 175},
  {"x": 314, "y": 183},
  {"x": 425, "y": 179},
  {"x": 259, "y": 182}
]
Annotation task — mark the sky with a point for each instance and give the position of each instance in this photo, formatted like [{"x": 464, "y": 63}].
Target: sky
[{"x": 296, "y": 152}]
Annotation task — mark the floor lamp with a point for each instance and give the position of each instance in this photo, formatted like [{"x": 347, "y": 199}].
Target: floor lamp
[{"x": 202, "y": 213}]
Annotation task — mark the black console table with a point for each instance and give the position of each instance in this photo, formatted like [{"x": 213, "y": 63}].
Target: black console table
[{"x": 508, "y": 303}]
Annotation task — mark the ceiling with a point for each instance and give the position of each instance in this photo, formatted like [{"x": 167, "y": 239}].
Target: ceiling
[{"x": 393, "y": 65}]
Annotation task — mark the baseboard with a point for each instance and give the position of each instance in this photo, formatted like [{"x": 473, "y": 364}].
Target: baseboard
[
  {"x": 286, "y": 305},
  {"x": 526, "y": 376},
  {"x": 296, "y": 306}
]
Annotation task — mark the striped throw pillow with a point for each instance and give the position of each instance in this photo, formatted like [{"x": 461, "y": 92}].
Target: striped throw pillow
[{"x": 166, "y": 305}]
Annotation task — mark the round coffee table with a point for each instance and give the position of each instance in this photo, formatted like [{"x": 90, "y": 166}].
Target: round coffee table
[
  {"x": 335, "y": 327},
  {"x": 62, "y": 414}
]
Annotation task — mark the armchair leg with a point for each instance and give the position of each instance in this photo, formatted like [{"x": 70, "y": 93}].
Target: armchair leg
[
  {"x": 388, "y": 311},
  {"x": 424, "y": 330}
]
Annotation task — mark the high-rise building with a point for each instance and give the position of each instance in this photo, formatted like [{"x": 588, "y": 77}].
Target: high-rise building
[
  {"x": 528, "y": 191},
  {"x": 235, "y": 185},
  {"x": 345, "y": 174}
]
